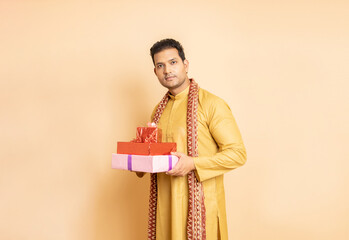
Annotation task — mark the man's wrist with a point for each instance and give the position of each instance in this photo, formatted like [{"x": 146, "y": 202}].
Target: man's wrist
[{"x": 194, "y": 167}]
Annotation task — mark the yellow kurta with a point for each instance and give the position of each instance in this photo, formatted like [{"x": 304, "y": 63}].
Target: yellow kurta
[{"x": 220, "y": 150}]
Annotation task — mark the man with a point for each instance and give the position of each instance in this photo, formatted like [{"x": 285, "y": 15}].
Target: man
[{"x": 188, "y": 202}]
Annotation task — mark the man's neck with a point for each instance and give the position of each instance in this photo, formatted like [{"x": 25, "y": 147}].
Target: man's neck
[{"x": 181, "y": 88}]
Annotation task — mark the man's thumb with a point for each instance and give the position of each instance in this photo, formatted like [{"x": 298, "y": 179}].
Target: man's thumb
[{"x": 177, "y": 154}]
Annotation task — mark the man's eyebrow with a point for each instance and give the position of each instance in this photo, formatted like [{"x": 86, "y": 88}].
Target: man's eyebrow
[{"x": 167, "y": 61}]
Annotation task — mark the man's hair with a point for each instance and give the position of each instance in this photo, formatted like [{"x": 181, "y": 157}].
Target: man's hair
[{"x": 166, "y": 44}]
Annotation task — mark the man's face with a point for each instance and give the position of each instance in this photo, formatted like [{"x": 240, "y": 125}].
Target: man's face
[{"x": 171, "y": 70}]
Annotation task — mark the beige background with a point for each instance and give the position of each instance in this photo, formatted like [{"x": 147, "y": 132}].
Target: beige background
[{"x": 76, "y": 77}]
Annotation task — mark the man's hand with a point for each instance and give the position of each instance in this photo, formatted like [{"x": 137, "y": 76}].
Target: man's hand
[{"x": 183, "y": 167}]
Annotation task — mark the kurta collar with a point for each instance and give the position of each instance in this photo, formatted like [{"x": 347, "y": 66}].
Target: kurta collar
[{"x": 181, "y": 95}]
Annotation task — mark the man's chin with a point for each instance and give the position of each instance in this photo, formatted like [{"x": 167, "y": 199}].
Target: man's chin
[{"x": 169, "y": 85}]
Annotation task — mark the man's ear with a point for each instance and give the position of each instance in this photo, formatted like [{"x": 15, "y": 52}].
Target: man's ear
[
  {"x": 155, "y": 70},
  {"x": 186, "y": 65}
]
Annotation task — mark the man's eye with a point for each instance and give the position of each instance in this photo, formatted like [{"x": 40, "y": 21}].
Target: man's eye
[
  {"x": 159, "y": 66},
  {"x": 173, "y": 62}
]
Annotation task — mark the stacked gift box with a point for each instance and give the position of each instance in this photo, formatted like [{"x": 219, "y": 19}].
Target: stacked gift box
[{"x": 146, "y": 153}]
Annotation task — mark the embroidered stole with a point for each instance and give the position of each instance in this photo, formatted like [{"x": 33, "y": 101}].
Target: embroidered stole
[{"x": 196, "y": 220}]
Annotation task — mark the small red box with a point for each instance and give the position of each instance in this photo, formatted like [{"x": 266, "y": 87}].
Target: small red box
[
  {"x": 152, "y": 149},
  {"x": 148, "y": 134}
]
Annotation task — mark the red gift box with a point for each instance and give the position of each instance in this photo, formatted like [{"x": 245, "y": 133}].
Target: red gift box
[
  {"x": 152, "y": 149},
  {"x": 148, "y": 135}
]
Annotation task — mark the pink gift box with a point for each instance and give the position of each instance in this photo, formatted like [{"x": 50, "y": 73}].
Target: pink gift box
[{"x": 140, "y": 163}]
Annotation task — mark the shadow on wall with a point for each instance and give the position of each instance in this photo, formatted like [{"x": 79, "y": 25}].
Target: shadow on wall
[{"x": 121, "y": 206}]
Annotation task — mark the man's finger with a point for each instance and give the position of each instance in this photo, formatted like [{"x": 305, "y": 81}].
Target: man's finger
[
  {"x": 174, "y": 170},
  {"x": 178, "y": 154},
  {"x": 171, "y": 172}
]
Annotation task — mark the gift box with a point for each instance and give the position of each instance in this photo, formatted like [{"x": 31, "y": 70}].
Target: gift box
[
  {"x": 134, "y": 148},
  {"x": 148, "y": 134},
  {"x": 146, "y": 153},
  {"x": 139, "y": 163}
]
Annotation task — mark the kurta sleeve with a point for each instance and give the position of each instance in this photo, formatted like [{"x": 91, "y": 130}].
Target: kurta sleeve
[{"x": 231, "y": 151}]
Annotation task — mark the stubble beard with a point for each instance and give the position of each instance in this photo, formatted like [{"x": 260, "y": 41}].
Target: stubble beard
[{"x": 175, "y": 86}]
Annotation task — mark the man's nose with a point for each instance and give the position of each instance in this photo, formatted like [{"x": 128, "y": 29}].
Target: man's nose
[{"x": 167, "y": 69}]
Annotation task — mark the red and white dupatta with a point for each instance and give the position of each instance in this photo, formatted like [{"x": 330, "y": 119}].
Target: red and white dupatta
[{"x": 196, "y": 229}]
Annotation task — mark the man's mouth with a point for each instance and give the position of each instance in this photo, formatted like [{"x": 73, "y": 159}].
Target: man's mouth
[{"x": 169, "y": 77}]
